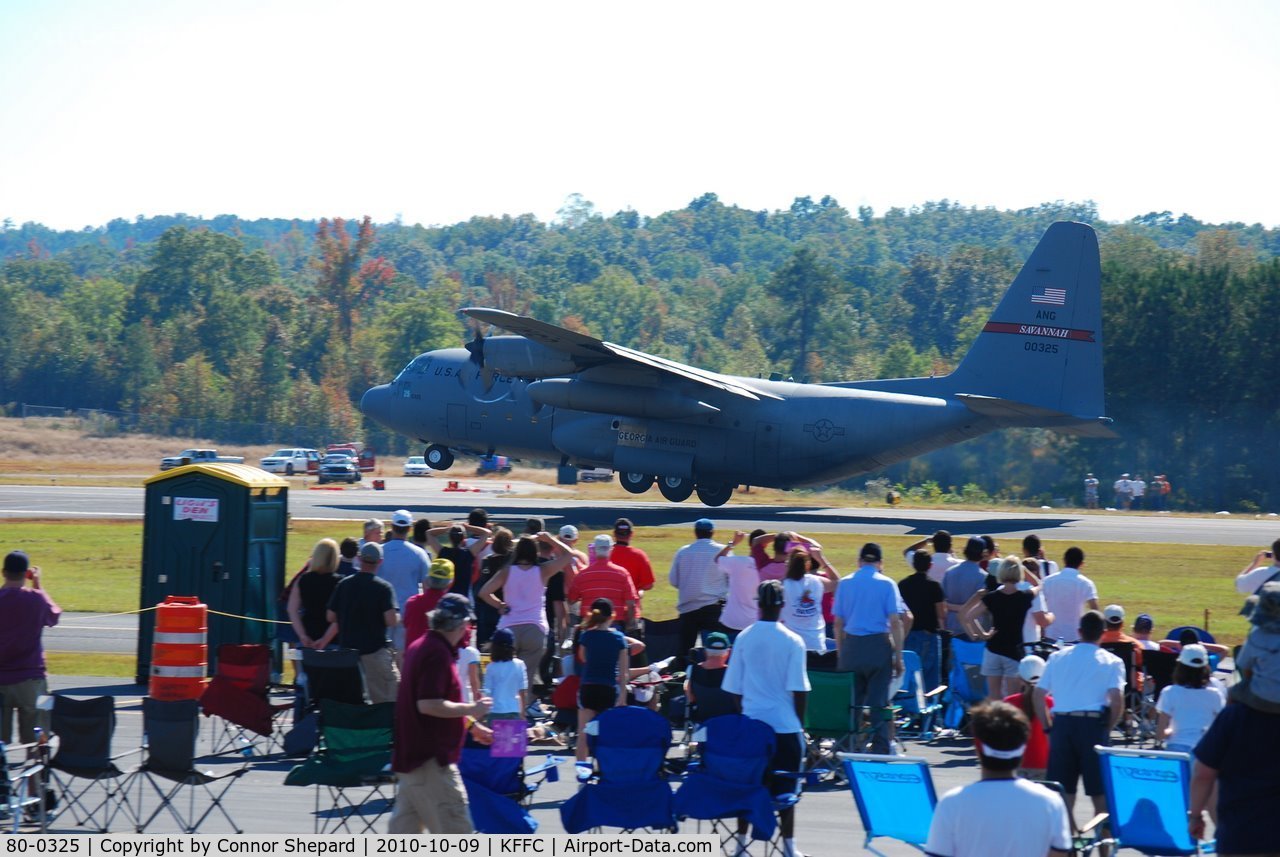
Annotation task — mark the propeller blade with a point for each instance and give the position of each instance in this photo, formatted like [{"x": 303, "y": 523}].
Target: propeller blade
[{"x": 476, "y": 347}]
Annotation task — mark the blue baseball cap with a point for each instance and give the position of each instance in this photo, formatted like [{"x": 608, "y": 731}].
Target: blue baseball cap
[{"x": 705, "y": 524}]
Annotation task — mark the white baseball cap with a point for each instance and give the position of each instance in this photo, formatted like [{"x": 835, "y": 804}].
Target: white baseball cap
[
  {"x": 1031, "y": 668},
  {"x": 401, "y": 518},
  {"x": 568, "y": 531},
  {"x": 1113, "y": 613},
  {"x": 603, "y": 543},
  {"x": 1194, "y": 655}
]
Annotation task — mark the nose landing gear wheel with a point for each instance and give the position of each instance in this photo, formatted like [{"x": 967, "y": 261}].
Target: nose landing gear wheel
[
  {"x": 635, "y": 483},
  {"x": 715, "y": 494},
  {"x": 438, "y": 457},
  {"x": 675, "y": 488}
]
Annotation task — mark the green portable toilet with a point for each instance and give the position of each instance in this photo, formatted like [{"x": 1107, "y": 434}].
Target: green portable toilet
[{"x": 215, "y": 531}]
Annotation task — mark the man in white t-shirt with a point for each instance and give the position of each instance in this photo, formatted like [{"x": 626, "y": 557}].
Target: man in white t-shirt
[
  {"x": 942, "y": 560},
  {"x": 1264, "y": 568},
  {"x": 1067, "y": 595},
  {"x": 767, "y": 674},
  {"x": 1137, "y": 489},
  {"x": 740, "y": 608},
  {"x": 974, "y": 820}
]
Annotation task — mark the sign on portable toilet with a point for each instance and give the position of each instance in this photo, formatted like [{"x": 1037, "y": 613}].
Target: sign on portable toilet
[{"x": 180, "y": 651}]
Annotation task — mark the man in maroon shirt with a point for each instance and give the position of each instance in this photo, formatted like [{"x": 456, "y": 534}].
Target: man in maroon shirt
[
  {"x": 24, "y": 614},
  {"x": 431, "y": 720}
]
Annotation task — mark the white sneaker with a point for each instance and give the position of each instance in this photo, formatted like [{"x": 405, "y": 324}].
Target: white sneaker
[{"x": 583, "y": 771}]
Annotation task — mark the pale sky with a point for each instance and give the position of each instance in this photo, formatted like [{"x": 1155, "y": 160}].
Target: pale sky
[{"x": 439, "y": 111}]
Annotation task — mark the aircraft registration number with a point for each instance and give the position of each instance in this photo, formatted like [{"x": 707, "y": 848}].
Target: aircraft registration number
[{"x": 1046, "y": 347}]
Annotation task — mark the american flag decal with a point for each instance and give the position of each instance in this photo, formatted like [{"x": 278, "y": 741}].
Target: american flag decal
[{"x": 1057, "y": 297}]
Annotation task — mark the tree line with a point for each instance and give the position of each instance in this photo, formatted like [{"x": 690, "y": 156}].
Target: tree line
[{"x": 289, "y": 321}]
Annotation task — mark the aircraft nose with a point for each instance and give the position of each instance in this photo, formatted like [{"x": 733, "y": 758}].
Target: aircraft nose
[{"x": 376, "y": 404}]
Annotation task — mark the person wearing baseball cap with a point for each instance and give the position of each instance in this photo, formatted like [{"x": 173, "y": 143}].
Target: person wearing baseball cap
[
  {"x": 961, "y": 582},
  {"x": 605, "y": 579},
  {"x": 431, "y": 722},
  {"x": 767, "y": 672},
  {"x": 1189, "y": 705},
  {"x": 364, "y": 608},
  {"x": 414, "y": 613},
  {"x": 869, "y": 634},
  {"x": 1036, "y": 757},
  {"x": 405, "y": 566},
  {"x": 1114, "y": 635},
  {"x": 637, "y": 564},
  {"x": 25, "y": 611},
  {"x": 1143, "y": 626},
  {"x": 701, "y": 587}
]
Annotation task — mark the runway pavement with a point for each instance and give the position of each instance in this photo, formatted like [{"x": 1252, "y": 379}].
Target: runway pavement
[{"x": 429, "y": 497}]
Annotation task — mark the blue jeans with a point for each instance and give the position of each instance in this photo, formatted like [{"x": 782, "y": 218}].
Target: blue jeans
[{"x": 928, "y": 646}]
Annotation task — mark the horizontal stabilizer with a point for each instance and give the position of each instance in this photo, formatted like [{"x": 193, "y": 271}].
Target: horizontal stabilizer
[{"x": 1011, "y": 413}]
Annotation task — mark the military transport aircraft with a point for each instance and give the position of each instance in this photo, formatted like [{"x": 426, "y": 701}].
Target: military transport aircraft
[{"x": 547, "y": 393}]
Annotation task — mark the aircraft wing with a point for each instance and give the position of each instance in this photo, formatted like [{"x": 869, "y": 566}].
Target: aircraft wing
[{"x": 589, "y": 352}]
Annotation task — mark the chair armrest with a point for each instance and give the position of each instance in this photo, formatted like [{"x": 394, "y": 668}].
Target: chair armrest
[
  {"x": 937, "y": 690},
  {"x": 1097, "y": 821}
]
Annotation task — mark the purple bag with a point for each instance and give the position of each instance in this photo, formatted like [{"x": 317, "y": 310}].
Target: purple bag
[{"x": 510, "y": 739}]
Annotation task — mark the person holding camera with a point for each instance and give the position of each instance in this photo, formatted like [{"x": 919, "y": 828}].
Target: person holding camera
[
  {"x": 25, "y": 611},
  {"x": 1263, "y": 569}
]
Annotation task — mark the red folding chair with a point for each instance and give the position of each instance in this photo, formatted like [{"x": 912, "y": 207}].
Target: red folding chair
[{"x": 238, "y": 695}]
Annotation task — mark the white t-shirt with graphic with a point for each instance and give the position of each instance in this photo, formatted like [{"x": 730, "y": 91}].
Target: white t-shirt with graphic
[{"x": 802, "y": 611}]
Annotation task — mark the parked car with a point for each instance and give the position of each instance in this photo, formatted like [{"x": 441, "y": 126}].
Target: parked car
[
  {"x": 493, "y": 464},
  {"x": 365, "y": 458},
  {"x": 198, "y": 456},
  {"x": 291, "y": 461},
  {"x": 416, "y": 465},
  {"x": 339, "y": 467},
  {"x": 595, "y": 474}
]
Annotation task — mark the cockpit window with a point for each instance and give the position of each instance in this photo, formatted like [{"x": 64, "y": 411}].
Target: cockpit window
[{"x": 416, "y": 365}]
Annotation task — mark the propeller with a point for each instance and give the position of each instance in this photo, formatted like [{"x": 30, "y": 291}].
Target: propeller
[{"x": 476, "y": 349}]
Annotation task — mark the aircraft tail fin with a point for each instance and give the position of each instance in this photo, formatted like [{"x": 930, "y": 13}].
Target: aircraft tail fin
[{"x": 1043, "y": 345}]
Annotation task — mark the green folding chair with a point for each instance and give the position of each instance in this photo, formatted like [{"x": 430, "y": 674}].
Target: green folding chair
[{"x": 351, "y": 767}]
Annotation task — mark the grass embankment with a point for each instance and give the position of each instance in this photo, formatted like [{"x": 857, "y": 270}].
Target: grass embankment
[{"x": 93, "y": 566}]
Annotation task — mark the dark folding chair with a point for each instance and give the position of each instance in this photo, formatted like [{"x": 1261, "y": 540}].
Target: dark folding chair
[
  {"x": 22, "y": 789},
  {"x": 354, "y": 753},
  {"x": 500, "y": 789},
  {"x": 82, "y": 767},
  {"x": 628, "y": 789},
  {"x": 662, "y": 639},
  {"x": 334, "y": 675},
  {"x": 237, "y": 697},
  {"x": 1159, "y": 666},
  {"x": 1139, "y": 723},
  {"x": 170, "y": 731}
]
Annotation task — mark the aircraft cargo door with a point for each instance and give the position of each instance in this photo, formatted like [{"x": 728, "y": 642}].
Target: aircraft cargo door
[
  {"x": 458, "y": 422},
  {"x": 768, "y": 440}
]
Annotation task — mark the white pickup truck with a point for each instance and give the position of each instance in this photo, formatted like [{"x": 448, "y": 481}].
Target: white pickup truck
[
  {"x": 291, "y": 461},
  {"x": 198, "y": 456}
]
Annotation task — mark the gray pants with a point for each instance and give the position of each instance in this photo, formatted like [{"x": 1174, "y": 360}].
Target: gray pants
[{"x": 870, "y": 659}]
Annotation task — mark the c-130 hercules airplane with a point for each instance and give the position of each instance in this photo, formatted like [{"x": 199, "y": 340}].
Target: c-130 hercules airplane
[{"x": 548, "y": 393}]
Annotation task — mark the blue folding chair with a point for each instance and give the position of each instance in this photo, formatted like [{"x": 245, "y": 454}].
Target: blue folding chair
[
  {"x": 966, "y": 686},
  {"x": 894, "y": 796},
  {"x": 727, "y": 780},
  {"x": 1148, "y": 797},
  {"x": 917, "y": 712},
  {"x": 499, "y": 789},
  {"x": 628, "y": 789}
]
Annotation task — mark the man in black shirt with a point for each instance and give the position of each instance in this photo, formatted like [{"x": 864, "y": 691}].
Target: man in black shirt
[
  {"x": 364, "y": 608},
  {"x": 927, "y": 604}
]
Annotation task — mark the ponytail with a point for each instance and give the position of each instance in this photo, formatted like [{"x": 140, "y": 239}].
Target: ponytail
[{"x": 595, "y": 619}]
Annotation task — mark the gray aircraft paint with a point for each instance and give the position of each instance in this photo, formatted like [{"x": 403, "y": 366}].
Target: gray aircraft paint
[{"x": 551, "y": 394}]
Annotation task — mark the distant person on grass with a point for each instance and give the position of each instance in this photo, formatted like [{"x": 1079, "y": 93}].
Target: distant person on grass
[
  {"x": 25, "y": 611},
  {"x": 1001, "y": 815}
]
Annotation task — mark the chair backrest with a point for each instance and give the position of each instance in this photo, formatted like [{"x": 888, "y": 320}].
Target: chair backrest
[
  {"x": 662, "y": 639},
  {"x": 736, "y": 748},
  {"x": 894, "y": 795},
  {"x": 247, "y": 665},
  {"x": 1159, "y": 665},
  {"x": 966, "y": 679},
  {"x": 829, "y": 710},
  {"x": 712, "y": 699},
  {"x": 629, "y": 744},
  {"x": 171, "y": 729},
  {"x": 910, "y": 697},
  {"x": 357, "y": 737},
  {"x": 496, "y": 773},
  {"x": 1148, "y": 795},
  {"x": 1205, "y": 636},
  {"x": 1123, "y": 651},
  {"x": 334, "y": 675},
  {"x": 84, "y": 728}
]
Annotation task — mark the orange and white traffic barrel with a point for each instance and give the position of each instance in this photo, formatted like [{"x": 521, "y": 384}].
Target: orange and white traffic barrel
[{"x": 180, "y": 650}]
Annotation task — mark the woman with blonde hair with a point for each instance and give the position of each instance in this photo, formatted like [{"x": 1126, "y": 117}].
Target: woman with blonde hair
[
  {"x": 1007, "y": 608},
  {"x": 309, "y": 597}
]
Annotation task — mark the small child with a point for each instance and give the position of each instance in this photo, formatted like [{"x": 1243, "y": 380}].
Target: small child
[
  {"x": 505, "y": 680},
  {"x": 1259, "y": 660},
  {"x": 415, "y": 610},
  {"x": 1035, "y": 759}
]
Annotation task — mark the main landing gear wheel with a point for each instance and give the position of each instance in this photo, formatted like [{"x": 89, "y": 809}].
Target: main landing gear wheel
[
  {"x": 715, "y": 494},
  {"x": 675, "y": 488},
  {"x": 438, "y": 457},
  {"x": 636, "y": 483}
]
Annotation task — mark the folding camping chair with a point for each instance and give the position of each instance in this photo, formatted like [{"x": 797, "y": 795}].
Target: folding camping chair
[
  {"x": 499, "y": 790},
  {"x": 710, "y": 700},
  {"x": 82, "y": 767},
  {"x": 170, "y": 731},
  {"x": 1083, "y": 839},
  {"x": 894, "y": 796},
  {"x": 726, "y": 782},
  {"x": 353, "y": 753},
  {"x": 22, "y": 802},
  {"x": 662, "y": 640},
  {"x": 628, "y": 789},
  {"x": 238, "y": 697},
  {"x": 965, "y": 685},
  {"x": 835, "y": 726},
  {"x": 917, "y": 712},
  {"x": 1148, "y": 796},
  {"x": 333, "y": 674},
  {"x": 1137, "y": 726}
]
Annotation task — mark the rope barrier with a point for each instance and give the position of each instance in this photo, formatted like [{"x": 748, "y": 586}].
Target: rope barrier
[{"x": 97, "y": 616}]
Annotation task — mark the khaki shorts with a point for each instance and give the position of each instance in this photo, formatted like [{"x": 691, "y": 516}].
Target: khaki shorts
[
  {"x": 21, "y": 697},
  {"x": 431, "y": 796},
  {"x": 381, "y": 678}
]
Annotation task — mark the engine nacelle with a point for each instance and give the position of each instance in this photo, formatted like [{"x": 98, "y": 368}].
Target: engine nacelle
[{"x": 520, "y": 357}]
